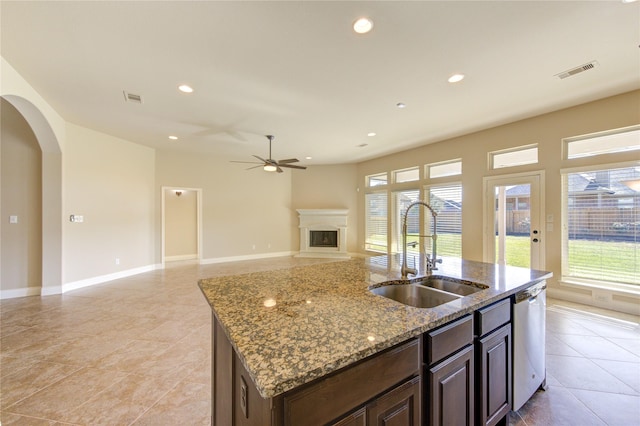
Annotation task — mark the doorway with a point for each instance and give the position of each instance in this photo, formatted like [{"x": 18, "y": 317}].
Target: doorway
[
  {"x": 513, "y": 208},
  {"x": 181, "y": 224}
]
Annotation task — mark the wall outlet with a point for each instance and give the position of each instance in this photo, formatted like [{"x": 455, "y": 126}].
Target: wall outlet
[
  {"x": 13, "y": 219},
  {"x": 117, "y": 260},
  {"x": 75, "y": 218},
  {"x": 253, "y": 247},
  {"x": 269, "y": 245}
]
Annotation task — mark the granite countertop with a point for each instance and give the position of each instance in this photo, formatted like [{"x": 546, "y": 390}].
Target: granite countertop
[{"x": 294, "y": 325}]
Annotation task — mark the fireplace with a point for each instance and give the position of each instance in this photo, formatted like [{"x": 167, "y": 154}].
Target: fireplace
[{"x": 323, "y": 233}]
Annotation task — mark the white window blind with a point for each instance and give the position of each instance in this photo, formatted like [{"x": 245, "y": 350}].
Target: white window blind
[
  {"x": 446, "y": 200},
  {"x": 376, "y": 222},
  {"x": 402, "y": 200},
  {"x": 601, "y": 239}
]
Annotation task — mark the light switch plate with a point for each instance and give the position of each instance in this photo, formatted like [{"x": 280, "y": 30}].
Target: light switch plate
[{"x": 13, "y": 219}]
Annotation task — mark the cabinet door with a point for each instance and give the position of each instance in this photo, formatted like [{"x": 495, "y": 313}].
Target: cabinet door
[
  {"x": 494, "y": 374},
  {"x": 398, "y": 407},
  {"x": 359, "y": 418},
  {"x": 451, "y": 390}
]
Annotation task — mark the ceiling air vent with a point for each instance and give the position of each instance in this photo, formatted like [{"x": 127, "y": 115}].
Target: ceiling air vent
[
  {"x": 577, "y": 70},
  {"x": 132, "y": 97}
]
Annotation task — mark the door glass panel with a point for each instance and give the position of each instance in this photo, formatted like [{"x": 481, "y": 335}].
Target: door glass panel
[{"x": 512, "y": 225}]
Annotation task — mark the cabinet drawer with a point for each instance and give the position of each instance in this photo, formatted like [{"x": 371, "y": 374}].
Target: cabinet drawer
[
  {"x": 448, "y": 339},
  {"x": 347, "y": 389},
  {"x": 491, "y": 317}
]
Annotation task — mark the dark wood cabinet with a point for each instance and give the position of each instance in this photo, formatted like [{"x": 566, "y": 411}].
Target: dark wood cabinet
[
  {"x": 451, "y": 384},
  {"x": 398, "y": 407},
  {"x": 329, "y": 398},
  {"x": 457, "y": 374},
  {"x": 449, "y": 392},
  {"x": 359, "y": 418},
  {"x": 494, "y": 376},
  {"x": 493, "y": 363}
]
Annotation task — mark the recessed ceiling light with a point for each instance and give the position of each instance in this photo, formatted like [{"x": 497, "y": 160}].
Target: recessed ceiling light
[
  {"x": 184, "y": 88},
  {"x": 401, "y": 105},
  {"x": 308, "y": 158},
  {"x": 629, "y": 1},
  {"x": 456, "y": 78},
  {"x": 173, "y": 138},
  {"x": 370, "y": 134},
  {"x": 362, "y": 25}
]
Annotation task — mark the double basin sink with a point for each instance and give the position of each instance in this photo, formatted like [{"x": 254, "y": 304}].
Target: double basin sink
[{"x": 429, "y": 291}]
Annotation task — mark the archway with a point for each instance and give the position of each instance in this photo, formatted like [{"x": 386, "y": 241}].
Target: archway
[{"x": 51, "y": 193}]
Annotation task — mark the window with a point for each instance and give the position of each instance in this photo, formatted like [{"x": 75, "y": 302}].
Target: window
[
  {"x": 514, "y": 157},
  {"x": 448, "y": 168},
  {"x": 402, "y": 200},
  {"x": 603, "y": 143},
  {"x": 446, "y": 200},
  {"x": 406, "y": 175},
  {"x": 377, "y": 180},
  {"x": 601, "y": 240},
  {"x": 376, "y": 222}
]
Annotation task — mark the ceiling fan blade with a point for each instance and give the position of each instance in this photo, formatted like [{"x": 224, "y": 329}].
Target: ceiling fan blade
[
  {"x": 255, "y": 167},
  {"x": 288, "y": 160},
  {"x": 292, "y": 166},
  {"x": 279, "y": 170},
  {"x": 261, "y": 159},
  {"x": 245, "y": 162}
]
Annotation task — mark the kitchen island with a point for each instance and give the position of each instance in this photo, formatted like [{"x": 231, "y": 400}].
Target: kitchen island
[{"x": 281, "y": 334}]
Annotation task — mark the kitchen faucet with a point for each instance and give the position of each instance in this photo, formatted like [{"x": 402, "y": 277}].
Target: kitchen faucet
[{"x": 430, "y": 262}]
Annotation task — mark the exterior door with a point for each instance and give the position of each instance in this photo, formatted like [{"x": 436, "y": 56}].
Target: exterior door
[{"x": 513, "y": 233}]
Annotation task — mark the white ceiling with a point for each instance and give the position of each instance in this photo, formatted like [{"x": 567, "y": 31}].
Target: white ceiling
[{"x": 298, "y": 71}]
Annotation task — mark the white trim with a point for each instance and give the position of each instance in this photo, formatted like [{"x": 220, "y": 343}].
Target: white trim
[
  {"x": 51, "y": 290},
  {"x": 626, "y": 289},
  {"x": 602, "y": 298},
  {"x": 20, "y": 292},
  {"x": 181, "y": 257},
  {"x": 600, "y": 166},
  {"x": 74, "y": 285},
  {"x": 246, "y": 257}
]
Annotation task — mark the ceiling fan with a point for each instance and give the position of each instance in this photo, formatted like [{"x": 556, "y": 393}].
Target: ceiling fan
[{"x": 271, "y": 165}]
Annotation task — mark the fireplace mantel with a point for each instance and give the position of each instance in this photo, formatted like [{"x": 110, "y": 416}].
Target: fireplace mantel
[{"x": 333, "y": 223}]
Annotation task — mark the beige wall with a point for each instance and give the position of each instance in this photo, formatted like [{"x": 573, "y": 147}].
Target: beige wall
[
  {"x": 110, "y": 182},
  {"x": 180, "y": 224},
  {"x": 328, "y": 187},
  {"x": 21, "y": 196},
  {"x": 547, "y": 131},
  {"x": 244, "y": 212}
]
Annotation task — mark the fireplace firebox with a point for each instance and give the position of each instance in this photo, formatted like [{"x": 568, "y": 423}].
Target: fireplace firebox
[{"x": 324, "y": 239}]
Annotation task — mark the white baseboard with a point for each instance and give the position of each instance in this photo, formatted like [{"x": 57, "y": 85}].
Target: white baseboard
[
  {"x": 601, "y": 298},
  {"x": 246, "y": 257},
  {"x": 180, "y": 257},
  {"x": 19, "y": 292},
  {"x": 74, "y": 285}
]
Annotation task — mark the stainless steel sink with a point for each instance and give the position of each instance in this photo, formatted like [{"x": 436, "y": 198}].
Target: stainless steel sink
[
  {"x": 415, "y": 295},
  {"x": 450, "y": 285}
]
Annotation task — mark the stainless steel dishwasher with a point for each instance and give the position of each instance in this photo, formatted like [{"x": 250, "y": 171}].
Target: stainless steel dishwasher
[{"x": 529, "y": 322}]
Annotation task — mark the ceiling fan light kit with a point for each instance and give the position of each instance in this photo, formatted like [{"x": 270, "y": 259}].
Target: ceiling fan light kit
[{"x": 271, "y": 165}]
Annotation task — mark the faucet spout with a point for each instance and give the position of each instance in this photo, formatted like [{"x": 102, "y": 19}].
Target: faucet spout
[{"x": 430, "y": 262}]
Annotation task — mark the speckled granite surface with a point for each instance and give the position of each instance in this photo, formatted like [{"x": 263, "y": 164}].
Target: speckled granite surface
[{"x": 294, "y": 325}]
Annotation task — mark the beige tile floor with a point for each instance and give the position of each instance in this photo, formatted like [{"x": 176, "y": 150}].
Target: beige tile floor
[{"x": 137, "y": 351}]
